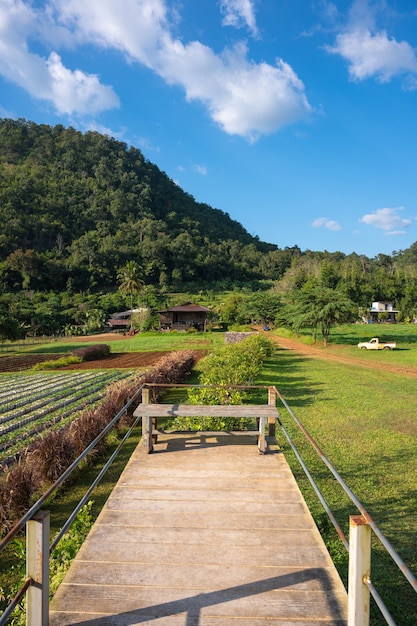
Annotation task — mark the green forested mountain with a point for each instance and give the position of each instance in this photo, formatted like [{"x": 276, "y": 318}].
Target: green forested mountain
[{"x": 75, "y": 207}]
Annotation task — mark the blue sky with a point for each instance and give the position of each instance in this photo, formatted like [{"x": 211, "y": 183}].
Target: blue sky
[{"x": 296, "y": 117}]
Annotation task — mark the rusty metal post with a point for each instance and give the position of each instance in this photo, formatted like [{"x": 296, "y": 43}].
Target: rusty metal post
[
  {"x": 147, "y": 424},
  {"x": 37, "y": 568},
  {"x": 359, "y": 571}
]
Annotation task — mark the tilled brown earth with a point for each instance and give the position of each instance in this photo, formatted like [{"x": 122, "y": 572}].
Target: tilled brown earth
[
  {"x": 134, "y": 360},
  {"x": 126, "y": 360},
  {"x": 24, "y": 361}
]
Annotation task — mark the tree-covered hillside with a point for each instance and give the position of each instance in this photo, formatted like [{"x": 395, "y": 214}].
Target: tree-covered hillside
[
  {"x": 75, "y": 207},
  {"x": 79, "y": 211}
]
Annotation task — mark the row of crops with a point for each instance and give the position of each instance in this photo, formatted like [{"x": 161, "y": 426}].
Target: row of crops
[{"x": 31, "y": 404}]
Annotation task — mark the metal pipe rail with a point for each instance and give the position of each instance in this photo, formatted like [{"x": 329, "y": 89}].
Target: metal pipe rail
[
  {"x": 35, "y": 509},
  {"x": 366, "y": 580},
  {"x": 360, "y": 525}
]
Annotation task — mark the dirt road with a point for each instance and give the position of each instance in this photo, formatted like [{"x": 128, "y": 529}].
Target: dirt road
[{"x": 318, "y": 352}]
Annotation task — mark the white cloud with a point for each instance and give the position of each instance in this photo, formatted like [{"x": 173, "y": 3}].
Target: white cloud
[
  {"x": 372, "y": 52},
  {"x": 329, "y": 10},
  {"x": 201, "y": 169},
  {"x": 387, "y": 220},
  {"x": 243, "y": 97},
  {"x": 324, "y": 222},
  {"x": 239, "y": 12},
  {"x": 75, "y": 91},
  {"x": 70, "y": 91},
  {"x": 375, "y": 55},
  {"x": 134, "y": 27}
]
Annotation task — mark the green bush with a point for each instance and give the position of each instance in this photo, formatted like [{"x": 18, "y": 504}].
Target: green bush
[
  {"x": 56, "y": 363},
  {"x": 92, "y": 353},
  {"x": 52, "y": 453},
  {"x": 69, "y": 545},
  {"x": 230, "y": 365}
]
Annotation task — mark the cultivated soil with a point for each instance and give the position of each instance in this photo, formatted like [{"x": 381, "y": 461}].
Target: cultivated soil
[
  {"x": 141, "y": 360},
  {"x": 126, "y": 360},
  {"x": 123, "y": 360}
]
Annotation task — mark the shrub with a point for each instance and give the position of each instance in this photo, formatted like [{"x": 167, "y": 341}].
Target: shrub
[
  {"x": 85, "y": 429},
  {"x": 92, "y": 353},
  {"x": 172, "y": 368},
  {"x": 232, "y": 364},
  {"x": 56, "y": 363},
  {"x": 69, "y": 545},
  {"x": 50, "y": 456},
  {"x": 16, "y": 492}
]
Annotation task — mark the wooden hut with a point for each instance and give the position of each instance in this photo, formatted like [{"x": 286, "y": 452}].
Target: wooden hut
[{"x": 184, "y": 317}]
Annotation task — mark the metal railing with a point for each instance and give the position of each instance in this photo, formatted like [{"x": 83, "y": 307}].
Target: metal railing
[
  {"x": 36, "y": 585},
  {"x": 360, "y": 586}
]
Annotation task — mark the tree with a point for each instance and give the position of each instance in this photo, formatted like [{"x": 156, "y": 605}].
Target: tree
[
  {"x": 264, "y": 306},
  {"x": 26, "y": 263},
  {"x": 320, "y": 308},
  {"x": 232, "y": 310},
  {"x": 9, "y": 325},
  {"x": 129, "y": 279}
]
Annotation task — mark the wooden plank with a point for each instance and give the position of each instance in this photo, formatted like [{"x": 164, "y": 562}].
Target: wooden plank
[
  {"x": 150, "y": 413},
  {"x": 201, "y": 410},
  {"x": 172, "y": 551}
]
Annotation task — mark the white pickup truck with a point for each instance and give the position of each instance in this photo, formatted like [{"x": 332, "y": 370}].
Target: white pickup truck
[{"x": 375, "y": 344}]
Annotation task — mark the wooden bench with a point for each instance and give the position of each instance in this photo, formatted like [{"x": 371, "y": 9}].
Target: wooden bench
[{"x": 264, "y": 413}]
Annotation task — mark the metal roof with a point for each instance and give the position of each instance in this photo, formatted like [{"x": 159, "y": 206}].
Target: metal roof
[{"x": 188, "y": 306}]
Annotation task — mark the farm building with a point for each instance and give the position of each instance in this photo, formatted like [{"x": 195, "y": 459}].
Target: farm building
[
  {"x": 122, "y": 319},
  {"x": 382, "y": 312},
  {"x": 184, "y": 317}
]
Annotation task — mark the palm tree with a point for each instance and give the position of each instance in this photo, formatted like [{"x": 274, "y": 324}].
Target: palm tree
[{"x": 130, "y": 281}]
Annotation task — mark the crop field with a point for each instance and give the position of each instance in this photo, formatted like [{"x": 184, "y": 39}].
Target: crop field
[{"x": 32, "y": 404}]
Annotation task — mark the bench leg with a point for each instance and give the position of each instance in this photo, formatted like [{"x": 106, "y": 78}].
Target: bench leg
[
  {"x": 147, "y": 433},
  {"x": 261, "y": 436},
  {"x": 154, "y": 428}
]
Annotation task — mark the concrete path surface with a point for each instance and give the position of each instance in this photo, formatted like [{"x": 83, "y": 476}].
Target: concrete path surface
[{"x": 203, "y": 532}]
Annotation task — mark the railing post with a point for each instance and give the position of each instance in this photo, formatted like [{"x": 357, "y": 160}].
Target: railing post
[
  {"x": 147, "y": 424},
  {"x": 272, "y": 401},
  {"x": 359, "y": 571},
  {"x": 261, "y": 435},
  {"x": 37, "y": 568}
]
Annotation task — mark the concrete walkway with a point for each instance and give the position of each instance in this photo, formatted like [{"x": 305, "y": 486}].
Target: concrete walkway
[{"x": 203, "y": 532}]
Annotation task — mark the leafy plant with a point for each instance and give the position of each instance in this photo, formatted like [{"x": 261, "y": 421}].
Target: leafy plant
[
  {"x": 92, "y": 353},
  {"x": 68, "y": 547},
  {"x": 56, "y": 363},
  {"x": 59, "y": 561},
  {"x": 227, "y": 367}
]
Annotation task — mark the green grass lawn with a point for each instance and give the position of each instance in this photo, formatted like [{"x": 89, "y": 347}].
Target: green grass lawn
[
  {"x": 142, "y": 342},
  {"x": 350, "y": 334},
  {"x": 364, "y": 420},
  {"x": 344, "y": 340},
  {"x": 365, "y": 423}
]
